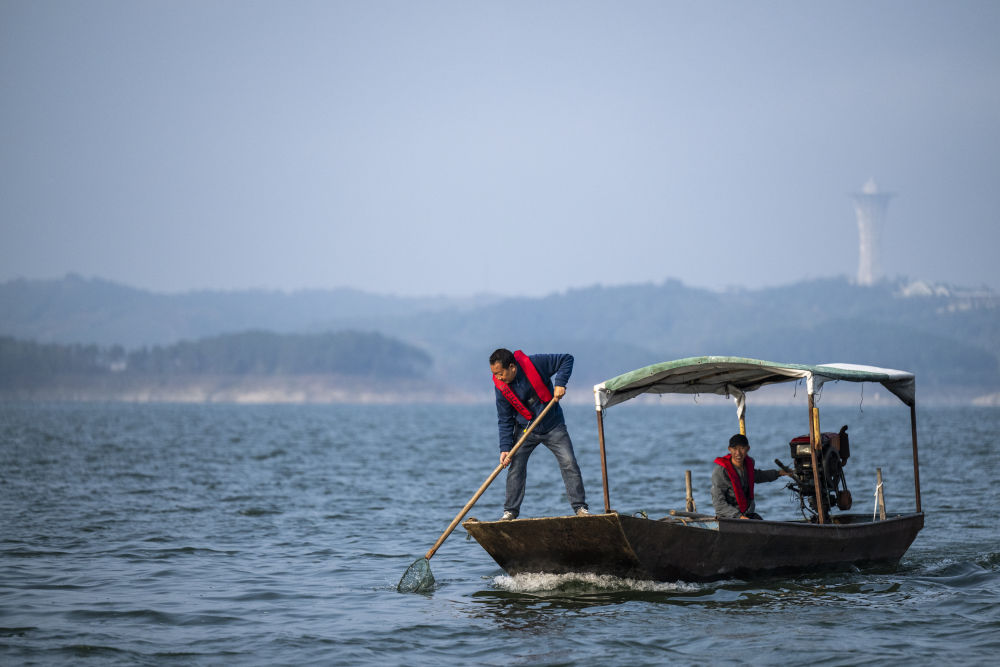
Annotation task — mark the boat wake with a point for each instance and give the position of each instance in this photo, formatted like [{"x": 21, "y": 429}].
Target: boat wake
[{"x": 537, "y": 582}]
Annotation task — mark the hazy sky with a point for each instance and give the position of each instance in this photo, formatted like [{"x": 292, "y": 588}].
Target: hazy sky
[{"x": 514, "y": 147}]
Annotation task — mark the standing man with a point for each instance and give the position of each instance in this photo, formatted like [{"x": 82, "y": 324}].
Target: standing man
[
  {"x": 733, "y": 480},
  {"x": 523, "y": 386}
]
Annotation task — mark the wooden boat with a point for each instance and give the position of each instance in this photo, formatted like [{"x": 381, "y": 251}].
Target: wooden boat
[{"x": 697, "y": 547}]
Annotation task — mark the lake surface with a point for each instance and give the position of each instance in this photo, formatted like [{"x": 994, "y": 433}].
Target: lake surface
[{"x": 216, "y": 534}]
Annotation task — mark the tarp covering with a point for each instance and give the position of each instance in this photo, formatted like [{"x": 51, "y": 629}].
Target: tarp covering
[{"x": 734, "y": 376}]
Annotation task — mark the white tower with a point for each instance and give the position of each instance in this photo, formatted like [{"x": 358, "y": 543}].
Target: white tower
[{"x": 870, "y": 206}]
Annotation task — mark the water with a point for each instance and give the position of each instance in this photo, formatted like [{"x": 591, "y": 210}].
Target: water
[{"x": 159, "y": 534}]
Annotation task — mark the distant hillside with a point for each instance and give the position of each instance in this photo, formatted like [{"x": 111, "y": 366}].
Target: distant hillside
[
  {"x": 82, "y": 310},
  {"x": 949, "y": 336},
  {"x": 947, "y": 339}
]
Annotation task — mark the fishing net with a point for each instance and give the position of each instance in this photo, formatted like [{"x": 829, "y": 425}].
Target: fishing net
[{"x": 417, "y": 578}]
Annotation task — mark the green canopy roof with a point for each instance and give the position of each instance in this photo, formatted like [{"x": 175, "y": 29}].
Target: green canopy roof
[{"x": 734, "y": 376}]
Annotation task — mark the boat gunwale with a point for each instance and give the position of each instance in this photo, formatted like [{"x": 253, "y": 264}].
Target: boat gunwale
[{"x": 692, "y": 523}]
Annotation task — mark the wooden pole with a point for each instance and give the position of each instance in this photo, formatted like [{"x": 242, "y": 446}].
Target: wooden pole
[
  {"x": 489, "y": 480},
  {"x": 879, "y": 494},
  {"x": 689, "y": 505},
  {"x": 741, "y": 412},
  {"x": 916, "y": 463},
  {"x": 814, "y": 439},
  {"x": 604, "y": 460}
]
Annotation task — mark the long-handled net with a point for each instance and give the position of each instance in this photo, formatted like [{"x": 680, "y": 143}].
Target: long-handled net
[{"x": 418, "y": 577}]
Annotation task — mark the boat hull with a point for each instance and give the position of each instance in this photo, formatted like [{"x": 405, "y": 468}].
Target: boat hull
[{"x": 672, "y": 550}]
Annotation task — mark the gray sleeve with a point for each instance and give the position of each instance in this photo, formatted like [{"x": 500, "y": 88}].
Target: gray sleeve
[{"x": 761, "y": 476}]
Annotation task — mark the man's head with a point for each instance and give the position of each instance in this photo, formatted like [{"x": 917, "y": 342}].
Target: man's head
[
  {"x": 738, "y": 448},
  {"x": 502, "y": 365}
]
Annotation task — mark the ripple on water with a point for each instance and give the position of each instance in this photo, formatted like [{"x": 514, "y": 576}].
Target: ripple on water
[{"x": 259, "y": 511}]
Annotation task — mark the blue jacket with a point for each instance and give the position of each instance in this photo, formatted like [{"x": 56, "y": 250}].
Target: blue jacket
[{"x": 555, "y": 370}]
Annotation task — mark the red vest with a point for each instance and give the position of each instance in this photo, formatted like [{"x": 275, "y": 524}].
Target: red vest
[
  {"x": 534, "y": 379},
  {"x": 742, "y": 500}
]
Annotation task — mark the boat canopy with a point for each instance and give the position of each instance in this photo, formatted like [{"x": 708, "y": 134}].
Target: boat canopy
[{"x": 735, "y": 376}]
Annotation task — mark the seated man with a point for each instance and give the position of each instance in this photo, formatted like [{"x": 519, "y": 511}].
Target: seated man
[{"x": 733, "y": 480}]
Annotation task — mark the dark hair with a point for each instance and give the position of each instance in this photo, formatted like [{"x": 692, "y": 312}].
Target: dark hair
[
  {"x": 739, "y": 440},
  {"x": 503, "y": 356}
]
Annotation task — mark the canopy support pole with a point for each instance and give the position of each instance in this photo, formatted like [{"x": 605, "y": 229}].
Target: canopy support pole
[
  {"x": 604, "y": 460},
  {"x": 814, "y": 443},
  {"x": 916, "y": 463},
  {"x": 741, "y": 406}
]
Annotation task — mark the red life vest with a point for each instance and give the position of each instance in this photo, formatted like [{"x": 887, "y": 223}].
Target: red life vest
[
  {"x": 742, "y": 500},
  {"x": 534, "y": 379}
]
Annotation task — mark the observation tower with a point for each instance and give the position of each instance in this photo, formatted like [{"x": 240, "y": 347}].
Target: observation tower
[{"x": 870, "y": 205}]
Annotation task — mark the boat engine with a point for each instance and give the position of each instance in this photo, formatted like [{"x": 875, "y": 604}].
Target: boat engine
[{"x": 830, "y": 461}]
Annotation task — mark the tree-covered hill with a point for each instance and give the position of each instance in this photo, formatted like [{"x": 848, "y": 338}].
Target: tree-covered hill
[{"x": 363, "y": 356}]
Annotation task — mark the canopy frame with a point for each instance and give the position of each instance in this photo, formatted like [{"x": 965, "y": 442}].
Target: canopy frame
[{"x": 735, "y": 377}]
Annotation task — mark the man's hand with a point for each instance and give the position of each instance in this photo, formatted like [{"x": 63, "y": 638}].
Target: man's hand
[
  {"x": 558, "y": 392},
  {"x": 505, "y": 459}
]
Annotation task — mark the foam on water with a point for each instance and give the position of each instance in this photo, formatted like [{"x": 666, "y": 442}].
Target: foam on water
[{"x": 537, "y": 582}]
